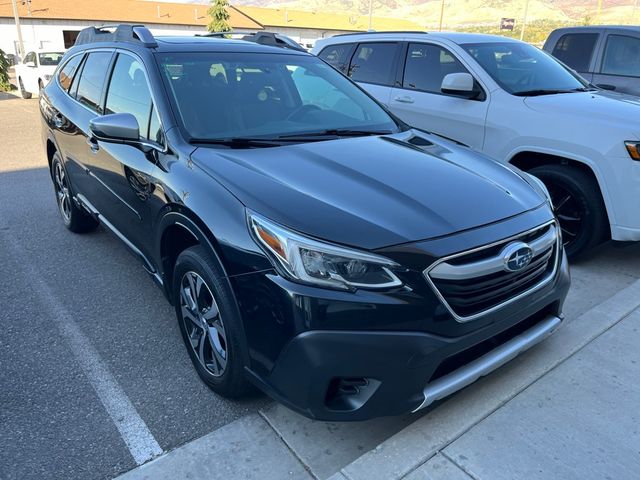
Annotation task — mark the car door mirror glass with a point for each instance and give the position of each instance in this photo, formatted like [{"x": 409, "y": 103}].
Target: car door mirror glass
[
  {"x": 458, "y": 84},
  {"x": 116, "y": 127}
]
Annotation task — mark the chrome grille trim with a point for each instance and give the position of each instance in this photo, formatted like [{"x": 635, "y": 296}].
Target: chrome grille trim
[
  {"x": 446, "y": 271},
  {"x": 555, "y": 244}
]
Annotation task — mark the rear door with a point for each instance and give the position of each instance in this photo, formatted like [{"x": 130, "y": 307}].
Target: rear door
[
  {"x": 374, "y": 65},
  {"x": 620, "y": 64},
  {"x": 577, "y": 50},
  {"x": 419, "y": 101}
]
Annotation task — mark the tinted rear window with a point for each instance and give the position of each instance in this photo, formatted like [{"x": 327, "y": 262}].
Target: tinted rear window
[
  {"x": 575, "y": 49},
  {"x": 373, "y": 63},
  {"x": 65, "y": 77},
  {"x": 92, "y": 79}
]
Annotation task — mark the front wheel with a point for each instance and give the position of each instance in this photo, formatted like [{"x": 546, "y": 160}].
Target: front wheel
[
  {"x": 210, "y": 322},
  {"x": 26, "y": 95},
  {"x": 577, "y": 204}
]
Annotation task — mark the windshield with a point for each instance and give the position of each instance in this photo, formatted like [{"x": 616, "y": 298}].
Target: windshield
[
  {"x": 521, "y": 68},
  {"x": 233, "y": 95},
  {"x": 50, "y": 59}
]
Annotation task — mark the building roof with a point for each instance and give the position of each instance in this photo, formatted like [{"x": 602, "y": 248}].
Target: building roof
[
  {"x": 284, "y": 17},
  {"x": 126, "y": 11}
]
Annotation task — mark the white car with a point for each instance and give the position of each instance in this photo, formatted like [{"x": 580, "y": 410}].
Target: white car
[
  {"x": 36, "y": 70},
  {"x": 518, "y": 105}
]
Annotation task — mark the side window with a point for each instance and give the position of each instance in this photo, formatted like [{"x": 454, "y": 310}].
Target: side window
[
  {"x": 68, "y": 71},
  {"x": 30, "y": 57},
  {"x": 427, "y": 65},
  {"x": 92, "y": 79},
  {"x": 129, "y": 93},
  {"x": 337, "y": 56},
  {"x": 622, "y": 56},
  {"x": 575, "y": 49},
  {"x": 372, "y": 63}
]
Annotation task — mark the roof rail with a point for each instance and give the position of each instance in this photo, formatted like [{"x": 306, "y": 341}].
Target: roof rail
[
  {"x": 261, "y": 37},
  {"x": 117, "y": 33},
  {"x": 369, "y": 32}
]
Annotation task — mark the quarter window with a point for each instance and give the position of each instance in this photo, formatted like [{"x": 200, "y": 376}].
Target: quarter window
[
  {"x": 622, "y": 56},
  {"x": 372, "y": 63},
  {"x": 65, "y": 77},
  {"x": 129, "y": 92},
  {"x": 427, "y": 65},
  {"x": 92, "y": 79},
  {"x": 575, "y": 50}
]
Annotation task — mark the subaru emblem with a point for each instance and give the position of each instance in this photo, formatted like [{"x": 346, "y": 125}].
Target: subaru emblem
[{"x": 516, "y": 256}]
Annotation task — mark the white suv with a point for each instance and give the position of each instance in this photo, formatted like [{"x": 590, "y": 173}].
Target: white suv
[
  {"x": 36, "y": 70},
  {"x": 516, "y": 104}
]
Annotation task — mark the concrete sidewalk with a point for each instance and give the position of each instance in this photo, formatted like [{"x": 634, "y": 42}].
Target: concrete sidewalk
[{"x": 565, "y": 409}]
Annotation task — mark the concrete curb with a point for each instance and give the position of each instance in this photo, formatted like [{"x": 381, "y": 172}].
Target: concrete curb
[{"x": 414, "y": 447}]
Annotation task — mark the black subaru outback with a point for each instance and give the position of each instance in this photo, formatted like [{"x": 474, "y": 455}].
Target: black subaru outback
[{"x": 313, "y": 245}]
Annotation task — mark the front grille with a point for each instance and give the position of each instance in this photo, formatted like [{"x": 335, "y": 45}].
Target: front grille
[{"x": 471, "y": 284}]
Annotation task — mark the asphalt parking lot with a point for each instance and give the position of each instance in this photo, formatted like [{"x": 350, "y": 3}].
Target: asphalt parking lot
[{"x": 90, "y": 352}]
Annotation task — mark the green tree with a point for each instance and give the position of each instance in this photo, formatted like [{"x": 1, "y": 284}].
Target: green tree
[
  {"x": 5, "y": 86},
  {"x": 219, "y": 16}
]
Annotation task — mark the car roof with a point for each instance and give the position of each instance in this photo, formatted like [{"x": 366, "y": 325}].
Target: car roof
[
  {"x": 628, "y": 28},
  {"x": 216, "y": 44},
  {"x": 455, "y": 37}
]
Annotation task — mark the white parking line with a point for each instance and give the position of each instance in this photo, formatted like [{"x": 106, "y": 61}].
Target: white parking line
[{"x": 135, "y": 433}]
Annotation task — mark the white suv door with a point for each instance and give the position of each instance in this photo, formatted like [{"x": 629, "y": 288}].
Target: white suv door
[{"x": 420, "y": 102}]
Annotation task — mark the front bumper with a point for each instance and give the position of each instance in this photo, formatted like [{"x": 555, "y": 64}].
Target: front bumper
[{"x": 342, "y": 375}]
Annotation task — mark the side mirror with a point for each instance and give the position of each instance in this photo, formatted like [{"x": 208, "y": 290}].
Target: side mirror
[
  {"x": 116, "y": 128},
  {"x": 459, "y": 84},
  {"x": 31, "y": 64}
]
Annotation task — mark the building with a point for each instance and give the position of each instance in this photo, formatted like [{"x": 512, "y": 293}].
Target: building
[
  {"x": 54, "y": 24},
  {"x": 307, "y": 26}
]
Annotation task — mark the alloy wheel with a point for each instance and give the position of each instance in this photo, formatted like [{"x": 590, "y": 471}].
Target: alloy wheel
[
  {"x": 62, "y": 191},
  {"x": 569, "y": 211},
  {"x": 203, "y": 323}
]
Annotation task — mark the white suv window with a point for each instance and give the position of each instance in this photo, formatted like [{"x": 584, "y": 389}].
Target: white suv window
[{"x": 427, "y": 65}]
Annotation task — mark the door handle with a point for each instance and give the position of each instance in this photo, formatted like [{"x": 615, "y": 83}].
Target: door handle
[
  {"x": 58, "y": 120},
  {"x": 404, "y": 99},
  {"x": 93, "y": 144}
]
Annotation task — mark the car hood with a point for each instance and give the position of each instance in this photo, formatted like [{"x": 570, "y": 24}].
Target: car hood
[
  {"x": 598, "y": 106},
  {"x": 372, "y": 192}
]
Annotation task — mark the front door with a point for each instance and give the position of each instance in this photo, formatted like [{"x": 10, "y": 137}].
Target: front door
[{"x": 420, "y": 102}]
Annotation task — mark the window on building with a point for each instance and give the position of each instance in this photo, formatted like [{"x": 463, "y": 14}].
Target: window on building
[
  {"x": 622, "y": 56},
  {"x": 575, "y": 49},
  {"x": 129, "y": 92},
  {"x": 69, "y": 37},
  {"x": 92, "y": 79},
  {"x": 427, "y": 65},
  {"x": 372, "y": 63},
  {"x": 68, "y": 71}
]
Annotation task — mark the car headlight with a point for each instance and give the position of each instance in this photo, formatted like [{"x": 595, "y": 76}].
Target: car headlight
[
  {"x": 634, "y": 149},
  {"x": 310, "y": 261},
  {"x": 541, "y": 186}
]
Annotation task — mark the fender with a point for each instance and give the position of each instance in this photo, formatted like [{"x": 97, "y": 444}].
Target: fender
[
  {"x": 593, "y": 166},
  {"x": 205, "y": 238}
]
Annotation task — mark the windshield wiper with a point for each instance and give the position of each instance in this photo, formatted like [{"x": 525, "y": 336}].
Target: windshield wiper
[
  {"x": 334, "y": 132},
  {"x": 239, "y": 142},
  {"x": 538, "y": 92}
]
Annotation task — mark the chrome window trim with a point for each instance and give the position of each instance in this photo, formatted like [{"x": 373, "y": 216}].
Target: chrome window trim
[{"x": 475, "y": 316}]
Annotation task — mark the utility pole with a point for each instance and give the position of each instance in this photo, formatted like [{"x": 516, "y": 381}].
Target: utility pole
[
  {"x": 370, "y": 13},
  {"x": 598, "y": 12},
  {"x": 17, "y": 18},
  {"x": 441, "y": 16},
  {"x": 524, "y": 19}
]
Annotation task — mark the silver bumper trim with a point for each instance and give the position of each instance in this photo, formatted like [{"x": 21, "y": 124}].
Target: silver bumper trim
[{"x": 460, "y": 378}]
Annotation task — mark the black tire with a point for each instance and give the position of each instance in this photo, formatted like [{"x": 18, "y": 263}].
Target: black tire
[
  {"x": 578, "y": 205},
  {"x": 226, "y": 343},
  {"x": 74, "y": 217},
  {"x": 26, "y": 95}
]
